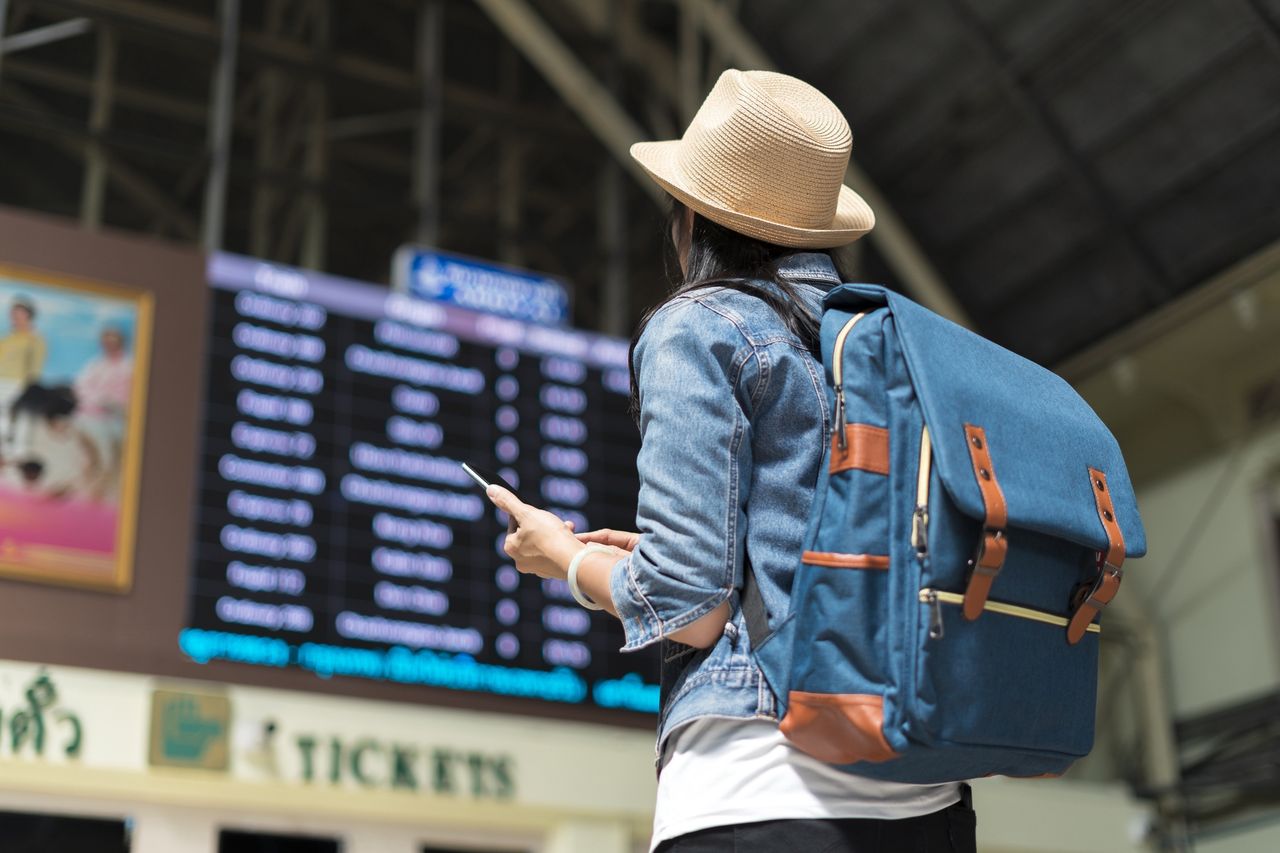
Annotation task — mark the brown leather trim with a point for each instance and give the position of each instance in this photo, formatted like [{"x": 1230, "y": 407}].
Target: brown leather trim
[
  {"x": 845, "y": 561},
  {"x": 992, "y": 496},
  {"x": 976, "y": 594},
  {"x": 839, "y": 728},
  {"x": 994, "y": 546},
  {"x": 1107, "y": 583},
  {"x": 866, "y": 448},
  {"x": 1107, "y": 515}
]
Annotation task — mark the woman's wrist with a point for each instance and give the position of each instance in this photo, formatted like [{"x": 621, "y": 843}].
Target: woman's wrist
[
  {"x": 595, "y": 574},
  {"x": 575, "y": 565},
  {"x": 564, "y": 554}
]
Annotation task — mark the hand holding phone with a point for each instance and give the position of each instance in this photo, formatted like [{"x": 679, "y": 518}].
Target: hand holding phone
[
  {"x": 485, "y": 479},
  {"x": 538, "y": 542}
]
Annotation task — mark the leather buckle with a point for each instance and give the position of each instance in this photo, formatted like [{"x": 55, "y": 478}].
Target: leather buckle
[
  {"x": 988, "y": 560},
  {"x": 997, "y": 539},
  {"x": 1091, "y": 599},
  {"x": 1108, "y": 574},
  {"x": 1087, "y": 592}
]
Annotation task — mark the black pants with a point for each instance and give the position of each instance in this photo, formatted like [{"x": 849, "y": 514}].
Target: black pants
[{"x": 948, "y": 831}]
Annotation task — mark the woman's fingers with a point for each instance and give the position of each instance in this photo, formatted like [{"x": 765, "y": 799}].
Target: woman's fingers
[
  {"x": 542, "y": 544},
  {"x": 507, "y": 502},
  {"x": 603, "y": 536},
  {"x": 623, "y": 539}
]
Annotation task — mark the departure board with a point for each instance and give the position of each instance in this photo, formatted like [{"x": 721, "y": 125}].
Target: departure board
[{"x": 336, "y": 529}]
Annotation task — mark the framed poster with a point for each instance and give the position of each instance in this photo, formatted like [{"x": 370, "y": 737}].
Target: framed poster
[{"x": 73, "y": 380}]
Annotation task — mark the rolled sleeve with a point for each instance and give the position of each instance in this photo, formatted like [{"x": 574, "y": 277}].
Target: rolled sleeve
[{"x": 694, "y": 368}]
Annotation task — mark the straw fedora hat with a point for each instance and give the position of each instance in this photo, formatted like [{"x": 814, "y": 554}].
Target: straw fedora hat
[{"x": 765, "y": 156}]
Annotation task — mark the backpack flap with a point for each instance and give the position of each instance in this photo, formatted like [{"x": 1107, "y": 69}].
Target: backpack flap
[{"x": 1014, "y": 445}]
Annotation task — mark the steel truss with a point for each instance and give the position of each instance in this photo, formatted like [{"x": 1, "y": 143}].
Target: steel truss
[{"x": 272, "y": 154}]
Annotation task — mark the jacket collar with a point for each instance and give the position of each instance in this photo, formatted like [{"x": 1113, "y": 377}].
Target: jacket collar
[{"x": 810, "y": 268}]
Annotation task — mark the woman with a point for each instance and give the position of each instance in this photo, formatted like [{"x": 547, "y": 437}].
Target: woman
[
  {"x": 733, "y": 420},
  {"x": 22, "y": 355},
  {"x": 102, "y": 391}
]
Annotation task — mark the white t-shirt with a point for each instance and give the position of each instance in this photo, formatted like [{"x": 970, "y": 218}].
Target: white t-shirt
[{"x": 721, "y": 772}]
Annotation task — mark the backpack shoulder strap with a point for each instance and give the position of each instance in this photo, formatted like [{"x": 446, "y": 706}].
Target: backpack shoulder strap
[{"x": 754, "y": 613}]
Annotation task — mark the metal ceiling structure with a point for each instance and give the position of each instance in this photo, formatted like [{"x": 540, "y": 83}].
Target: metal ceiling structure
[
  {"x": 1049, "y": 172},
  {"x": 1068, "y": 165}
]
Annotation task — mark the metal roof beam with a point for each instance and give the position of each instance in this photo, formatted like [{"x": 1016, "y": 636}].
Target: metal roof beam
[
  {"x": 4, "y": 20},
  {"x": 426, "y": 138},
  {"x": 460, "y": 102},
  {"x": 1080, "y": 170},
  {"x": 636, "y": 46},
  {"x": 890, "y": 236},
  {"x": 45, "y": 35},
  {"x": 1268, "y": 29},
  {"x": 61, "y": 80},
  {"x": 131, "y": 183},
  {"x": 1161, "y": 102},
  {"x": 584, "y": 94},
  {"x": 93, "y": 189},
  {"x": 152, "y": 17},
  {"x": 222, "y": 92}
]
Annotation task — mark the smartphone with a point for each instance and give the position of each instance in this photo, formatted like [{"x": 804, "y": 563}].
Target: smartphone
[{"x": 486, "y": 478}]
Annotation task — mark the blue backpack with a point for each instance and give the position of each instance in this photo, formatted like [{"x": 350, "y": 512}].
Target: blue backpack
[{"x": 971, "y": 518}]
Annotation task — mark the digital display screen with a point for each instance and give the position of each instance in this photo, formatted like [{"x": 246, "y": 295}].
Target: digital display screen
[{"x": 336, "y": 529}]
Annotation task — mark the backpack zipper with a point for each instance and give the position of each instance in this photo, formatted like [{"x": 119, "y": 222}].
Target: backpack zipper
[
  {"x": 936, "y": 598},
  {"x": 920, "y": 518},
  {"x": 930, "y": 597},
  {"x": 837, "y": 377}
]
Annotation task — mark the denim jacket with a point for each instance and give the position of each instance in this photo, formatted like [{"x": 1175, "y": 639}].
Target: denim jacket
[{"x": 733, "y": 420}]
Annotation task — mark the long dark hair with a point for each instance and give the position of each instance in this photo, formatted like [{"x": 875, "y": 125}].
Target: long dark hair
[{"x": 721, "y": 257}]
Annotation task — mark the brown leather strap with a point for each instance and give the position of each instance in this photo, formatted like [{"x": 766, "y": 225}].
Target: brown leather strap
[
  {"x": 993, "y": 546},
  {"x": 1107, "y": 583},
  {"x": 866, "y": 448},
  {"x": 833, "y": 560}
]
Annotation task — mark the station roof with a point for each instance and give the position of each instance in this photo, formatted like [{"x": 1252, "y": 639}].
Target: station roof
[{"x": 1067, "y": 166}]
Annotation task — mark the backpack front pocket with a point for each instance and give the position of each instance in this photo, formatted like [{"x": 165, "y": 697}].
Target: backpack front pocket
[{"x": 1009, "y": 679}]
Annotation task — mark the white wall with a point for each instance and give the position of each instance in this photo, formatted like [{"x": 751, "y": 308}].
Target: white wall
[
  {"x": 1185, "y": 392},
  {"x": 1210, "y": 587},
  {"x": 1057, "y": 816},
  {"x": 1257, "y": 835}
]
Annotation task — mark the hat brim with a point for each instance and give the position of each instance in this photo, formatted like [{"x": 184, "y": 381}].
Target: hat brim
[{"x": 853, "y": 217}]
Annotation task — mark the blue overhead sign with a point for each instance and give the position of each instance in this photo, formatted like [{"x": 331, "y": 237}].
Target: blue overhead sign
[{"x": 481, "y": 286}]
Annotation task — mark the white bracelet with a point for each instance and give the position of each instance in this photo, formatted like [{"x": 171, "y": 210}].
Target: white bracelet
[{"x": 575, "y": 564}]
